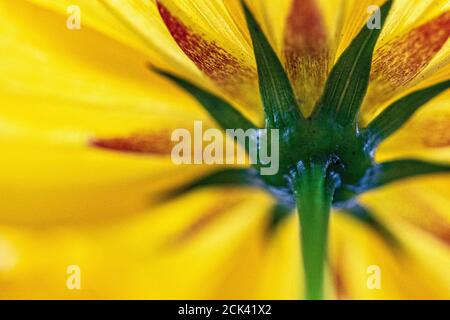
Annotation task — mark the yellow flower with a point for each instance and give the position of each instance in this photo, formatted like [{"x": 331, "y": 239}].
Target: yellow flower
[{"x": 86, "y": 168}]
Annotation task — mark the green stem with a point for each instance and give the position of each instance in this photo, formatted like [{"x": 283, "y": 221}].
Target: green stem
[{"x": 313, "y": 191}]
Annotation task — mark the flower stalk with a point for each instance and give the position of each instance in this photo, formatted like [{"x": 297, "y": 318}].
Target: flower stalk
[{"x": 313, "y": 191}]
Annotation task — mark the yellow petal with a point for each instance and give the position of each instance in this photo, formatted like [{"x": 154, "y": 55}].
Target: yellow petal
[
  {"x": 281, "y": 274},
  {"x": 425, "y": 135},
  {"x": 60, "y": 93},
  {"x": 134, "y": 23},
  {"x": 308, "y": 48},
  {"x": 76, "y": 66},
  {"x": 140, "y": 25},
  {"x": 403, "y": 16},
  {"x": 426, "y": 264},
  {"x": 427, "y": 207},
  {"x": 422, "y": 225},
  {"x": 355, "y": 15},
  {"x": 52, "y": 184},
  {"x": 406, "y": 15},
  {"x": 408, "y": 59},
  {"x": 357, "y": 252},
  {"x": 208, "y": 35},
  {"x": 163, "y": 253}
]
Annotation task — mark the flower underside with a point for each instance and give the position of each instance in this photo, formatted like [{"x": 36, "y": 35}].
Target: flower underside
[{"x": 326, "y": 159}]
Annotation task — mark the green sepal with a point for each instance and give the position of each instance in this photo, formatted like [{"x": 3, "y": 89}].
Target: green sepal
[
  {"x": 221, "y": 111},
  {"x": 393, "y": 171},
  {"x": 396, "y": 115},
  {"x": 386, "y": 173},
  {"x": 347, "y": 83},
  {"x": 361, "y": 213},
  {"x": 278, "y": 98},
  {"x": 279, "y": 212},
  {"x": 238, "y": 177},
  {"x": 226, "y": 177}
]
